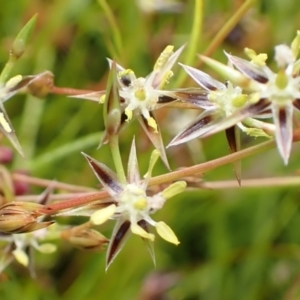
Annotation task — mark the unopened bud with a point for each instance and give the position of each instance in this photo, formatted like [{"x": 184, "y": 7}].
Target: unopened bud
[
  {"x": 21, "y": 217},
  {"x": 41, "y": 84},
  {"x": 22, "y": 38},
  {"x": 85, "y": 239}
]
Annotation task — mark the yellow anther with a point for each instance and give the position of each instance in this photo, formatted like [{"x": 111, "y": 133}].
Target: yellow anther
[
  {"x": 21, "y": 257},
  {"x": 13, "y": 81},
  {"x": 136, "y": 229},
  {"x": 152, "y": 123},
  {"x": 165, "y": 79},
  {"x": 128, "y": 113},
  {"x": 257, "y": 59},
  {"x": 163, "y": 58},
  {"x": 125, "y": 73},
  {"x": 102, "y": 99},
  {"x": 166, "y": 233}
]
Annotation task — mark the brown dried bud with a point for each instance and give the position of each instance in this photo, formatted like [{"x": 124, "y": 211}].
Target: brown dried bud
[
  {"x": 41, "y": 84},
  {"x": 85, "y": 239},
  {"x": 21, "y": 217}
]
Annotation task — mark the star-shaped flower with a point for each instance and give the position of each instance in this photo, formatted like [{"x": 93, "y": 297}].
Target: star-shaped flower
[
  {"x": 38, "y": 85},
  {"x": 140, "y": 96},
  {"x": 132, "y": 206},
  {"x": 271, "y": 93}
]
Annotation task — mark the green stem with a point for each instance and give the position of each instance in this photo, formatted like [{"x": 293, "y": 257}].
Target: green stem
[
  {"x": 225, "y": 30},
  {"x": 116, "y": 35},
  {"x": 116, "y": 155},
  {"x": 194, "y": 40}
]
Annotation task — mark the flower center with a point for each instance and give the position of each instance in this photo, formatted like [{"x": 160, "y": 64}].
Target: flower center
[{"x": 133, "y": 199}]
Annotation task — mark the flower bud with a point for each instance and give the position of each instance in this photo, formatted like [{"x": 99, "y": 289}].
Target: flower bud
[
  {"x": 22, "y": 38},
  {"x": 21, "y": 217},
  {"x": 41, "y": 84},
  {"x": 85, "y": 239}
]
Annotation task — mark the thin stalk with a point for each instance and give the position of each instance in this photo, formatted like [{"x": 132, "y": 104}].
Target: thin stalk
[
  {"x": 116, "y": 35},
  {"x": 253, "y": 183},
  {"x": 66, "y": 91},
  {"x": 46, "y": 182},
  {"x": 173, "y": 176},
  {"x": 194, "y": 40},
  {"x": 116, "y": 156},
  {"x": 225, "y": 30},
  {"x": 210, "y": 165}
]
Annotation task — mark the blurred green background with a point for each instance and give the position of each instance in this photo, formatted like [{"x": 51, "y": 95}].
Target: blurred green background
[{"x": 235, "y": 243}]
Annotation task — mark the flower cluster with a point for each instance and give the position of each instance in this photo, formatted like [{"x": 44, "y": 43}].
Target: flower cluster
[{"x": 250, "y": 94}]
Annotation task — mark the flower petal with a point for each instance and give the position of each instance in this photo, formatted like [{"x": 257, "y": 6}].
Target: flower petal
[
  {"x": 203, "y": 79},
  {"x": 105, "y": 175},
  {"x": 283, "y": 119},
  {"x": 296, "y": 104},
  {"x": 233, "y": 138},
  {"x": 195, "y": 96},
  {"x": 203, "y": 123},
  {"x": 133, "y": 173},
  {"x": 155, "y": 137},
  {"x": 148, "y": 243},
  {"x": 93, "y": 96},
  {"x": 7, "y": 129},
  {"x": 156, "y": 77},
  {"x": 239, "y": 116},
  {"x": 249, "y": 69},
  {"x": 231, "y": 74},
  {"x": 117, "y": 241}
]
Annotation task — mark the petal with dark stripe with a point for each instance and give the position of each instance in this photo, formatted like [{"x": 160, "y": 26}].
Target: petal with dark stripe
[
  {"x": 118, "y": 239},
  {"x": 204, "y": 122},
  {"x": 296, "y": 104},
  {"x": 233, "y": 139},
  {"x": 203, "y": 79},
  {"x": 283, "y": 120},
  {"x": 239, "y": 116},
  {"x": 105, "y": 175},
  {"x": 249, "y": 69},
  {"x": 148, "y": 243},
  {"x": 196, "y": 96},
  {"x": 155, "y": 137}
]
